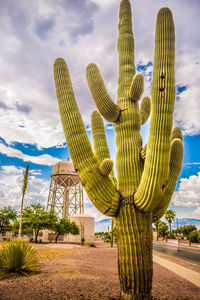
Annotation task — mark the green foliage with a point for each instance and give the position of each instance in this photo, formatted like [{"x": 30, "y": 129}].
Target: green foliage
[
  {"x": 36, "y": 218},
  {"x": 169, "y": 217},
  {"x": 64, "y": 226},
  {"x": 162, "y": 229},
  {"x": 18, "y": 258},
  {"x": 194, "y": 236},
  {"x": 7, "y": 214},
  {"x": 171, "y": 235},
  {"x": 108, "y": 239},
  {"x": 101, "y": 233},
  {"x": 186, "y": 229},
  {"x": 25, "y": 230}
]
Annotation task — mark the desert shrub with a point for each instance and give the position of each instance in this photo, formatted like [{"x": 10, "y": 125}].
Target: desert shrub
[
  {"x": 82, "y": 241},
  {"x": 18, "y": 258},
  {"x": 108, "y": 240},
  {"x": 92, "y": 245}
]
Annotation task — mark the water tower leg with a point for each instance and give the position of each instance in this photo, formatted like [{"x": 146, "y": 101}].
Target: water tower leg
[{"x": 65, "y": 212}]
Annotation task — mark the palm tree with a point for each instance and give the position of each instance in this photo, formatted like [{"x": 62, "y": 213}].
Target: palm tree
[{"x": 169, "y": 217}]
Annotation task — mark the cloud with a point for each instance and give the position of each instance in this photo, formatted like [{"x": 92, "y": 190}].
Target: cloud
[
  {"x": 188, "y": 194},
  {"x": 43, "y": 27},
  {"x": 3, "y": 105},
  {"x": 44, "y": 159},
  {"x": 187, "y": 107},
  {"x": 23, "y": 107},
  {"x": 83, "y": 31},
  {"x": 11, "y": 182}
]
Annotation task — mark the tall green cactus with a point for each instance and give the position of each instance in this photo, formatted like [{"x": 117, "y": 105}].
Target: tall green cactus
[{"x": 146, "y": 177}]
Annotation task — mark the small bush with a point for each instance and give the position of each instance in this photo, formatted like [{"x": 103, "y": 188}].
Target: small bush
[
  {"x": 92, "y": 245},
  {"x": 107, "y": 240},
  {"x": 18, "y": 258}
]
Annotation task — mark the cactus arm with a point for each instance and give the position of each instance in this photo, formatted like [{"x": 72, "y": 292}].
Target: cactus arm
[
  {"x": 101, "y": 150},
  {"x": 175, "y": 167},
  {"x": 144, "y": 152},
  {"x": 145, "y": 109},
  {"x": 126, "y": 53},
  {"x": 136, "y": 88},
  {"x": 156, "y": 168},
  {"x": 176, "y": 134},
  {"x": 109, "y": 110},
  {"x": 106, "y": 166},
  {"x": 100, "y": 189}
]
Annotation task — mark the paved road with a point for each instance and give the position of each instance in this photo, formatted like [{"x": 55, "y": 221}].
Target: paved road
[{"x": 185, "y": 253}]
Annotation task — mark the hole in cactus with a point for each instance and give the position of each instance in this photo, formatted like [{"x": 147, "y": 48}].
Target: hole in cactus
[
  {"x": 162, "y": 76},
  {"x": 161, "y": 89},
  {"x": 163, "y": 186}
]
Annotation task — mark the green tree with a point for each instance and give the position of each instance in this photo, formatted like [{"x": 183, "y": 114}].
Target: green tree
[
  {"x": 24, "y": 230},
  {"x": 186, "y": 229},
  {"x": 169, "y": 217},
  {"x": 194, "y": 236},
  {"x": 7, "y": 214},
  {"x": 156, "y": 222},
  {"x": 146, "y": 176},
  {"x": 37, "y": 218},
  {"x": 162, "y": 229},
  {"x": 25, "y": 182},
  {"x": 64, "y": 226}
]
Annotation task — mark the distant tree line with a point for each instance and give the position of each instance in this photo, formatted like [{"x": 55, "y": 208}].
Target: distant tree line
[{"x": 189, "y": 232}]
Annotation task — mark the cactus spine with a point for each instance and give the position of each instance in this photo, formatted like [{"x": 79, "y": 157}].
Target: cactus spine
[{"x": 146, "y": 177}]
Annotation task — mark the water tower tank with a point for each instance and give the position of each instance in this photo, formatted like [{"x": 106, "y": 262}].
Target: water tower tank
[
  {"x": 64, "y": 173},
  {"x": 66, "y": 191}
]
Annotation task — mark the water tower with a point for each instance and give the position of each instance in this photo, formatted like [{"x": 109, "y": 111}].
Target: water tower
[{"x": 66, "y": 191}]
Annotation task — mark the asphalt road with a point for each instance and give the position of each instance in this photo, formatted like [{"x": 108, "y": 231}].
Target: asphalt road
[{"x": 190, "y": 254}]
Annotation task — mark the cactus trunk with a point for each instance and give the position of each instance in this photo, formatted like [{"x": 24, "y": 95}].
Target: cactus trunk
[{"x": 134, "y": 234}]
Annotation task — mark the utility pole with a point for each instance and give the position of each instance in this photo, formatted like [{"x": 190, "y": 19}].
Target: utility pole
[
  {"x": 112, "y": 233},
  {"x": 177, "y": 236}
]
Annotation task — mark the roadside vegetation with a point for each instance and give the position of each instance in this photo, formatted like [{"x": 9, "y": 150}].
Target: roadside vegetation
[{"x": 186, "y": 232}]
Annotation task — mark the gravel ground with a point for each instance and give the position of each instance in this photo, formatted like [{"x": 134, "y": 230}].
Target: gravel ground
[{"x": 75, "y": 272}]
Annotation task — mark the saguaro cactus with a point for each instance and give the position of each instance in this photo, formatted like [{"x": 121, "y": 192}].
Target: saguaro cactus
[{"x": 146, "y": 177}]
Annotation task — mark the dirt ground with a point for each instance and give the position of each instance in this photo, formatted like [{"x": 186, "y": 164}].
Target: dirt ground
[{"x": 76, "y": 272}]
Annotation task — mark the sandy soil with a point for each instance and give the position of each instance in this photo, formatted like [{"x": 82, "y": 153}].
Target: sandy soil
[{"x": 75, "y": 272}]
